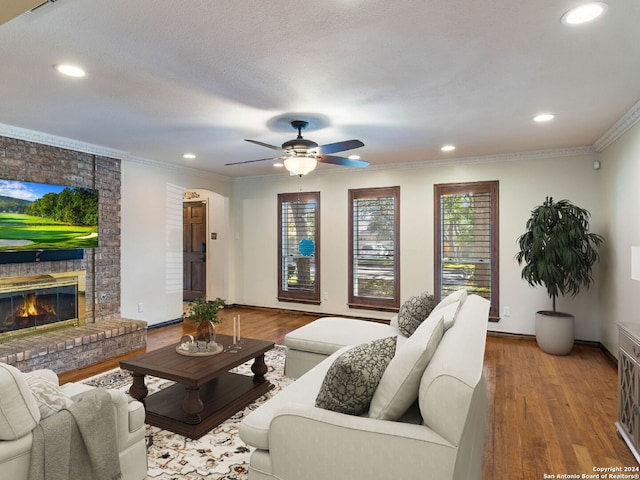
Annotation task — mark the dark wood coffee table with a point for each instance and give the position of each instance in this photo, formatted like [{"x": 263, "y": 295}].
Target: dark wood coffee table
[{"x": 205, "y": 393}]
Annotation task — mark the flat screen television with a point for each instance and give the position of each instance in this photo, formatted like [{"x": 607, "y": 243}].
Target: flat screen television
[{"x": 37, "y": 216}]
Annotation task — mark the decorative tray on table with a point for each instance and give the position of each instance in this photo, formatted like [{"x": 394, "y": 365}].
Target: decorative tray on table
[{"x": 191, "y": 348}]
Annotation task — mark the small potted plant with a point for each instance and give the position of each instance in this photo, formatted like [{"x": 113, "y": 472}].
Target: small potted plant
[
  {"x": 205, "y": 314},
  {"x": 558, "y": 252}
]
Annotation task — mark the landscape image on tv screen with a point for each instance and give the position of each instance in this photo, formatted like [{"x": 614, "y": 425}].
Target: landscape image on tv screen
[{"x": 37, "y": 216}]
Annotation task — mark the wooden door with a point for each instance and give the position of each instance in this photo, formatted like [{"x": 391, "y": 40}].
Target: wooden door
[{"x": 194, "y": 245}]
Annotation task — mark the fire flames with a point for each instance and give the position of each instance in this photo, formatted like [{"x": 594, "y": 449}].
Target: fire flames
[{"x": 31, "y": 308}]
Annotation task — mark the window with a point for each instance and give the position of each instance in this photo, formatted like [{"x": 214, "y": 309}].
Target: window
[
  {"x": 299, "y": 247},
  {"x": 374, "y": 239},
  {"x": 466, "y": 240}
]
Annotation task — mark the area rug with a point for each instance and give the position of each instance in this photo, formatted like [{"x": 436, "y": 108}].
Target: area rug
[{"x": 220, "y": 454}]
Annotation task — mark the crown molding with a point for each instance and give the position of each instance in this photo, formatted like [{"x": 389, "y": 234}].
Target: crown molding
[
  {"x": 147, "y": 162},
  {"x": 497, "y": 158},
  {"x": 61, "y": 142},
  {"x": 78, "y": 146},
  {"x": 628, "y": 120}
]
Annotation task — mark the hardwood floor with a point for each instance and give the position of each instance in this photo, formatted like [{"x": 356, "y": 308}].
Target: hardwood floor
[{"x": 547, "y": 415}]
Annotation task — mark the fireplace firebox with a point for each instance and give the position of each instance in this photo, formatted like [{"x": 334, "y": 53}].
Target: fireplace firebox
[{"x": 29, "y": 304}]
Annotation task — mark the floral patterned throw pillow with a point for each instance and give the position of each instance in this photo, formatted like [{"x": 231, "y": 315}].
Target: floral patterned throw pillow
[
  {"x": 352, "y": 379},
  {"x": 414, "y": 311}
]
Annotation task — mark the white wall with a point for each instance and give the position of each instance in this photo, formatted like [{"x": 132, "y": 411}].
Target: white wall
[
  {"x": 621, "y": 193},
  {"x": 523, "y": 185},
  {"x": 151, "y": 259}
]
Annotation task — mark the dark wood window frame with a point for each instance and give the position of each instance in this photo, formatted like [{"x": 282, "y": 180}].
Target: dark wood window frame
[
  {"x": 285, "y": 294},
  {"x": 487, "y": 187},
  {"x": 371, "y": 302}
]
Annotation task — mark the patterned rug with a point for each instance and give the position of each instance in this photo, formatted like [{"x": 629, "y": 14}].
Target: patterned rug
[{"x": 220, "y": 454}]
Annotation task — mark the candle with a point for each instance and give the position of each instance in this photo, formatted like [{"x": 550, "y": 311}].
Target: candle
[
  {"x": 238, "y": 328},
  {"x": 234, "y": 330}
]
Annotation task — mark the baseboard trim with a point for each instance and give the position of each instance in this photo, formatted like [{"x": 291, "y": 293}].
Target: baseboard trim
[
  {"x": 610, "y": 356},
  {"x": 584, "y": 343},
  {"x": 164, "y": 324}
]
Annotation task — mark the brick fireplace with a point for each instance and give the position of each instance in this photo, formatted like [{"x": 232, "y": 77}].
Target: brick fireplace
[{"x": 97, "y": 332}]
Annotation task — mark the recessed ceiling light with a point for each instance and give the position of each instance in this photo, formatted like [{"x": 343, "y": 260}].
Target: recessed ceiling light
[
  {"x": 544, "y": 117},
  {"x": 448, "y": 148},
  {"x": 354, "y": 157},
  {"x": 189, "y": 156},
  {"x": 70, "y": 70},
  {"x": 584, "y": 13},
  {"x": 278, "y": 164}
]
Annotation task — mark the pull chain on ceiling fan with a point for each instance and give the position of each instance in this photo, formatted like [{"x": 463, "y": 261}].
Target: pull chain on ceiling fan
[{"x": 301, "y": 155}]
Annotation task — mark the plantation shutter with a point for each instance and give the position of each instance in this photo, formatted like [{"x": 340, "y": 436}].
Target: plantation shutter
[
  {"x": 298, "y": 247},
  {"x": 467, "y": 240},
  {"x": 373, "y": 250}
]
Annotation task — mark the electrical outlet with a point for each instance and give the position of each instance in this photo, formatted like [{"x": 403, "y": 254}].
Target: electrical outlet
[
  {"x": 325, "y": 296},
  {"x": 140, "y": 307},
  {"x": 103, "y": 297},
  {"x": 506, "y": 311}
]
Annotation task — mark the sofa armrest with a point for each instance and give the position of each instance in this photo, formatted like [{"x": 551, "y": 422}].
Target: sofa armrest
[
  {"x": 312, "y": 443},
  {"x": 129, "y": 414},
  {"x": 129, "y": 419}
]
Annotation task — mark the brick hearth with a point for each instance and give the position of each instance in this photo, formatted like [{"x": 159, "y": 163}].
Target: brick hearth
[{"x": 71, "y": 348}]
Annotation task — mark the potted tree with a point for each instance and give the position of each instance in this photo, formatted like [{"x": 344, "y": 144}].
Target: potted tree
[
  {"x": 558, "y": 252},
  {"x": 205, "y": 314}
]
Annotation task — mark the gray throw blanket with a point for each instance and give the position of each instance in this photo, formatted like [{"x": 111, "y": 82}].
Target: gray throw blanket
[{"x": 79, "y": 442}]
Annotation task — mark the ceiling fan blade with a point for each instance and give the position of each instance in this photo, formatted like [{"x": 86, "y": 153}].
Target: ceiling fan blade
[
  {"x": 253, "y": 161},
  {"x": 337, "y": 147},
  {"x": 266, "y": 145},
  {"x": 344, "y": 161}
]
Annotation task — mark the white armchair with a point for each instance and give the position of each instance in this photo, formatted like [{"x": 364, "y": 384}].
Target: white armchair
[{"x": 20, "y": 413}]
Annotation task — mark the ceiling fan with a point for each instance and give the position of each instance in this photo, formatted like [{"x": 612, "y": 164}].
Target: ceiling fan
[{"x": 301, "y": 155}]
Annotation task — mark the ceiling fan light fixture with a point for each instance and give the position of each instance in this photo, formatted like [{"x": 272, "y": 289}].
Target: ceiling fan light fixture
[{"x": 300, "y": 165}]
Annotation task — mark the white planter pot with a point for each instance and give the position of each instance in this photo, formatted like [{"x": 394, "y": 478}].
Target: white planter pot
[{"x": 555, "y": 332}]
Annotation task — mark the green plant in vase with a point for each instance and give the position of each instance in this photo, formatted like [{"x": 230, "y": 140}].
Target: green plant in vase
[
  {"x": 558, "y": 252},
  {"x": 205, "y": 313}
]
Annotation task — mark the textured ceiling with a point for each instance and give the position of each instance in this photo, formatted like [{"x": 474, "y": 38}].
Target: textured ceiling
[{"x": 405, "y": 77}]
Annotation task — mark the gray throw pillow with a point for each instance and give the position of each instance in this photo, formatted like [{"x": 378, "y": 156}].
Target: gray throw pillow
[
  {"x": 352, "y": 379},
  {"x": 414, "y": 311}
]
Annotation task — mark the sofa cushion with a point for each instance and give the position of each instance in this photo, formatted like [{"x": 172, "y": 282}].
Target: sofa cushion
[
  {"x": 414, "y": 311},
  {"x": 400, "y": 383},
  {"x": 455, "y": 371},
  {"x": 329, "y": 334},
  {"x": 19, "y": 412},
  {"x": 457, "y": 296},
  {"x": 353, "y": 378},
  {"x": 448, "y": 314},
  {"x": 49, "y": 396}
]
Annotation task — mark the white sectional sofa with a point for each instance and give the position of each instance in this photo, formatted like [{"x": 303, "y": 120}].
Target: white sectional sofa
[
  {"x": 440, "y": 436},
  {"x": 21, "y": 411}
]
